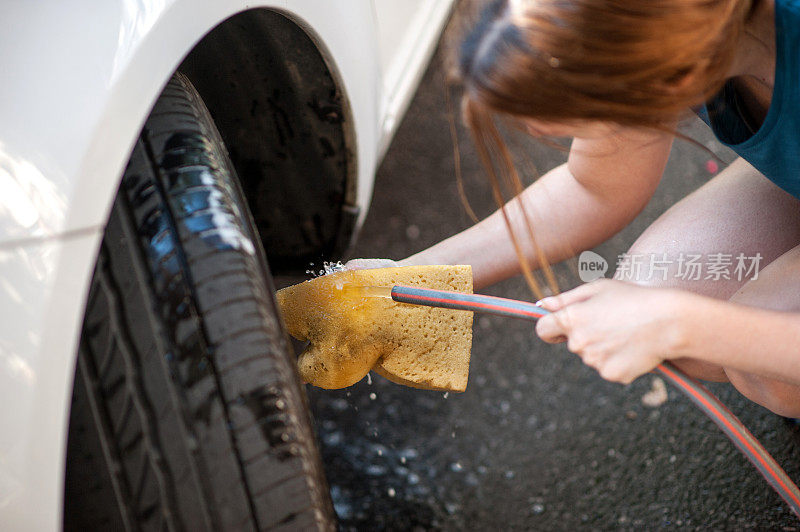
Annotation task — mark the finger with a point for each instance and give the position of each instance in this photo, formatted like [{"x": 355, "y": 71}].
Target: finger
[
  {"x": 614, "y": 371},
  {"x": 625, "y": 370},
  {"x": 575, "y": 295},
  {"x": 550, "y": 329}
]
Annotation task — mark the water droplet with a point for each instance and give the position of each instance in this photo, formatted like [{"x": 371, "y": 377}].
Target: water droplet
[
  {"x": 391, "y": 492},
  {"x": 451, "y": 507},
  {"x": 334, "y": 438},
  {"x": 343, "y": 509},
  {"x": 457, "y": 467},
  {"x": 373, "y": 396},
  {"x": 538, "y": 508},
  {"x": 379, "y": 449},
  {"x": 409, "y": 453},
  {"x": 369, "y": 379},
  {"x": 376, "y": 470},
  {"x": 402, "y": 459},
  {"x": 509, "y": 474},
  {"x": 340, "y": 405},
  {"x": 413, "y": 479},
  {"x": 446, "y": 395}
]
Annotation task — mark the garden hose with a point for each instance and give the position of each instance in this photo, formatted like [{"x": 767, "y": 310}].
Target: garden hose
[{"x": 696, "y": 392}]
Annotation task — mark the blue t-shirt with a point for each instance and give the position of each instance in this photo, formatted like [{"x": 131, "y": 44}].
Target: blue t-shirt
[{"x": 774, "y": 149}]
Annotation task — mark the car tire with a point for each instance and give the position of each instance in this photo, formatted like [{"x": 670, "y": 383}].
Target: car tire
[{"x": 187, "y": 410}]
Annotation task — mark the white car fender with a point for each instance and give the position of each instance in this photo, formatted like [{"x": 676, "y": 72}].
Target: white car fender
[{"x": 81, "y": 78}]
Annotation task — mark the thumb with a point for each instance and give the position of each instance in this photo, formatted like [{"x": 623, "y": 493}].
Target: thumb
[{"x": 581, "y": 293}]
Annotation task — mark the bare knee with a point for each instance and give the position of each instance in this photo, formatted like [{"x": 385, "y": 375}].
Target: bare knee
[
  {"x": 775, "y": 288},
  {"x": 652, "y": 262},
  {"x": 780, "y": 397},
  {"x": 649, "y": 262},
  {"x": 642, "y": 264}
]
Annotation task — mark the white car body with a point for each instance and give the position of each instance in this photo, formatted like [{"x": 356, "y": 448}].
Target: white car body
[{"x": 79, "y": 80}]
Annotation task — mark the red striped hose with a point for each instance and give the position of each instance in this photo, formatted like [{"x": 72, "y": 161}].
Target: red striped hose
[{"x": 697, "y": 393}]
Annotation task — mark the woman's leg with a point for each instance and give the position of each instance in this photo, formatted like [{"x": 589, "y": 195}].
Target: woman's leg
[
  {"x": 777, "y": 288},
  {"x": 737, "y": 212}
]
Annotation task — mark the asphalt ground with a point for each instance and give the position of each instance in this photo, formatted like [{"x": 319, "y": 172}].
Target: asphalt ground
[{"x": 538, "y": 441}]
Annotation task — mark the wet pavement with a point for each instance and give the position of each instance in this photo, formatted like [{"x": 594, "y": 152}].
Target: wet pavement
[{"x": 538, "y": 441}]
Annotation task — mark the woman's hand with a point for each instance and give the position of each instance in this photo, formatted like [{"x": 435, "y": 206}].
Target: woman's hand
[{"x": 621, "y": 329}]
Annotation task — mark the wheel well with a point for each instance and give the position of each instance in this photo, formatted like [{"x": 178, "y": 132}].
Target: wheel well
[{"x": 286, "y": 123}]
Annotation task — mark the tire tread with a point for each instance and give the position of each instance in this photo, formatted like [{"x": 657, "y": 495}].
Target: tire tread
[{"x": 191, "y": 343}]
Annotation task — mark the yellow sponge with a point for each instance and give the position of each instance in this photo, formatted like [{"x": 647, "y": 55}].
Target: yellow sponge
[{"x": 351, "y": 333}]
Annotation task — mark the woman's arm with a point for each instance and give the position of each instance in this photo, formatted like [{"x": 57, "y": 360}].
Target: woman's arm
[
  {"x": 624, "y": 330},
  {"x": 603, "y": 186},
  {"x": 738, "y": 337},
  {"x": 759, "y": 349}
]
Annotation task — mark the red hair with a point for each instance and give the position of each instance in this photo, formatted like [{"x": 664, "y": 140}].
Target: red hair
[{"x": 629, "y": 62}]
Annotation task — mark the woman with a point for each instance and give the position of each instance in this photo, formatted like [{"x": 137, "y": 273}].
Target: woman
[{"x": 617, "y": 75}]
